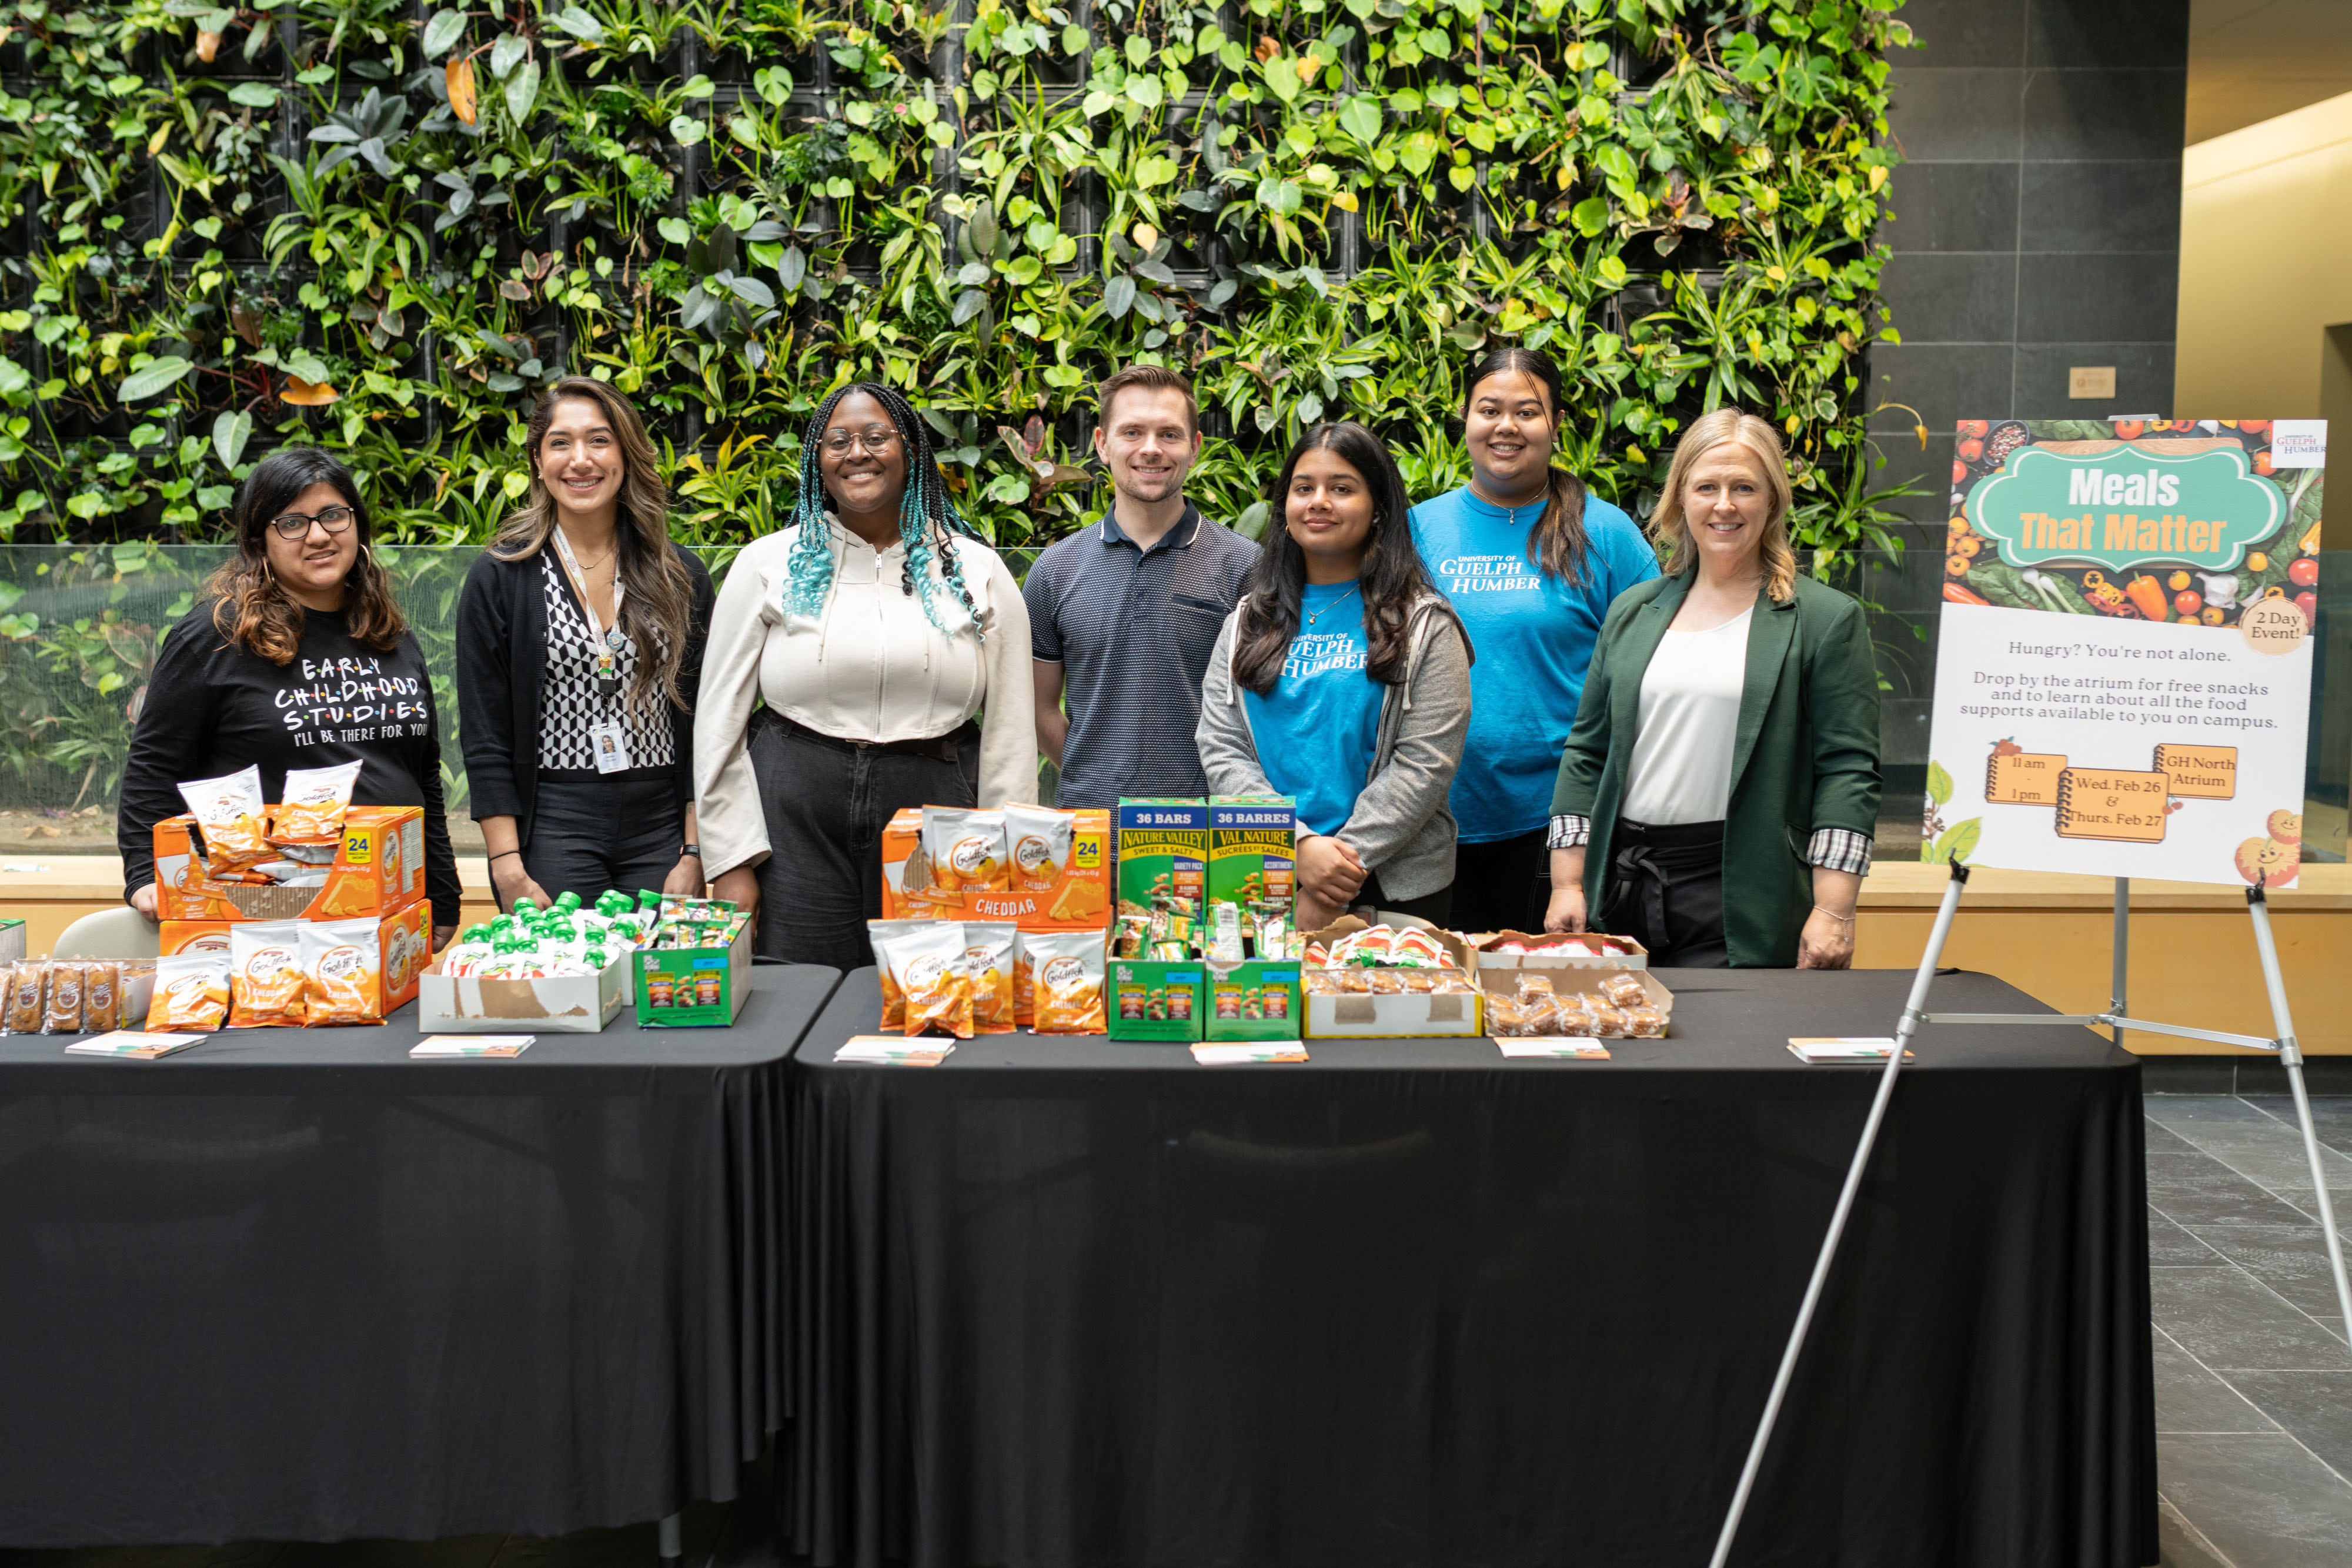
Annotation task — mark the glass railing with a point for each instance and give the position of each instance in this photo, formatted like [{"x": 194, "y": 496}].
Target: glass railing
[{"x": 79, "y": 626}]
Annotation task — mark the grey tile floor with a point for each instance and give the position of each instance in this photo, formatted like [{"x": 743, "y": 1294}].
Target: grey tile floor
[{"x": 2253, "y": 1379}]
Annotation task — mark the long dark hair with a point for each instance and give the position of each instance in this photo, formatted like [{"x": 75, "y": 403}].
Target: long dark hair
[
  {"x": 253, "y": 611},
  {"x": 658, "y": 609},
  {"x": 1557, "y": 537},
  {"x": 928, "y": 520},
  {"x": 1392, "y": 575}
]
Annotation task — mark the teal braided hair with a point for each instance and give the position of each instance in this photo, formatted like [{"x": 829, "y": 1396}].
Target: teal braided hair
[{"x": 928, "y": 519}]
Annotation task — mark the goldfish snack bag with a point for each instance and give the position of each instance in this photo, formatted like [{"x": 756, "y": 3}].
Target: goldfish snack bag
[
  {"x": 191, "y": 993},
  {"x": 1067, "y": 969},
  {"x": 967, "y": 849},
  {"x": 928, "y": 965},
  {"x": 1037, "y": 841},
  {"x": 316, "y": 800},
  {"x": 229, "y": 812},
  {"x": 341, "y": 959},
  {"x": 894, "y": 1000},
  {"x": 267, "y": 986},
  {"x": 988, "y": 962}
]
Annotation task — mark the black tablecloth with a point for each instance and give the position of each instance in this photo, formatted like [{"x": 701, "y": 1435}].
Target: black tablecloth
[
  {"x": 295, "y": 1285},
  {"x": 1078, "y": 1303}
]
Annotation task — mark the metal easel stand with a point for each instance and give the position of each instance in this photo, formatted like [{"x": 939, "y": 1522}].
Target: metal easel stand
[{"x": 2115, "y": 1017}]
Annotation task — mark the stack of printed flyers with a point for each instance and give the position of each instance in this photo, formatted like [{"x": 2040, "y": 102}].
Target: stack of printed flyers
[
  {"x": 1821, "y": 1048},
  {"x": 891, "y": 1050}
]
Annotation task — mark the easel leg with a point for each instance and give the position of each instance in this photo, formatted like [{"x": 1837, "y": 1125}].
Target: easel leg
[
  {"x": 2123, "y": 954},
  {"x": 1904, "y": 1030},
  {"x": 2291, "y": 1058}
]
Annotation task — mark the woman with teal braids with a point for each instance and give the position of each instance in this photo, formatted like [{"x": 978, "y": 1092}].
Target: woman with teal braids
[{"x": 873, "y": 654}]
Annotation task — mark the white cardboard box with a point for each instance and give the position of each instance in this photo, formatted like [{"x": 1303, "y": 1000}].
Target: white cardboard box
[
  {"x": 1353, "y": 1014},
  {"x": 567, "y": 1004},
  {"x": 1639, "y": 958},
  {"x": 1588, "y": 978}
]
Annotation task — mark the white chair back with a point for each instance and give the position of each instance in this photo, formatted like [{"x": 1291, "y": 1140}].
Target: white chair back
[{"x": 110, "y": 934}]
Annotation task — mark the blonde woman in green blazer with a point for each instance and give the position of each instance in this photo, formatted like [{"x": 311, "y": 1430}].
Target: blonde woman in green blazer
[{"x": 1718, "y": 791}]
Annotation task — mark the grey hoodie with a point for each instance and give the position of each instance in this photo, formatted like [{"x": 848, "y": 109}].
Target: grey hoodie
[{"x": 1400, "y": 827}]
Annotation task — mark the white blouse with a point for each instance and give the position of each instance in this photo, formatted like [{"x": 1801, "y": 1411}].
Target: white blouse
[
  {"x": 1681, "y": 769},
  {"x": 869, "y": 665}
]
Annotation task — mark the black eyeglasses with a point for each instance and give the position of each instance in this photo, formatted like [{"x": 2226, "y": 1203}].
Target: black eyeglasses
[
  {"x": 874, "y": 438},
  {"x": 294, "y": 525}
]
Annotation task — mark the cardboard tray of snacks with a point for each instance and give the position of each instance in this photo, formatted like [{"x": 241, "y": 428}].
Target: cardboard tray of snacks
[
  {"x": 1079, "y": 900},
  {"x": 1156, "y": 999},
  {"x": 1252, "y": 998},
  {"x": 1633, "y": 955},
  {"x": 378, "y": 870},
  {"x": 693, "y": 988},
  {"x": 1333, "y": 1014},
  {"x": 1581, "y": 979},
  {"x": 562, "y": 1004}
]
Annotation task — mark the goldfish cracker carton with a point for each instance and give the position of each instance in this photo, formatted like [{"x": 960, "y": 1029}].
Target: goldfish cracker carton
[
  {"x": 377, "y": 871},
  {"x": 1075, "y": 896},
  {"x": 1164, "y": 856},
  {"x": 175, "y": 936}
]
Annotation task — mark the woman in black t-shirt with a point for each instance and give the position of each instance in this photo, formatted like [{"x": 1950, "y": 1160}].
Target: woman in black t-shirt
[{"x": 296, "y": 655}]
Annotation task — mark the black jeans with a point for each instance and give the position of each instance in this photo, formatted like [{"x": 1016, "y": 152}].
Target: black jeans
[
  {"x": 826, "y": 802},
  {"x": 1503, "y": 885},
  {"x": 1665, "y": 889},
  {"x": 593, "y": 833},
  {"x": 1435, "y": 907}
]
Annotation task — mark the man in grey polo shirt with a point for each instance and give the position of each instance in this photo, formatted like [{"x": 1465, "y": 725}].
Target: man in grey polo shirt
[{"x": 1124, "y": 613}]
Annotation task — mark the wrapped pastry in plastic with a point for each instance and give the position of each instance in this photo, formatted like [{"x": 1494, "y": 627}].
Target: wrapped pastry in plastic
[
  {"x": 1645, "y": 1023},
  {"x": 101, "y": 998},
  {"x": 1623, "y": 991},
  {"x": 1534, "y": 985},
  {"x": 63, "y": 1013},
  {"x": 29, "y": 984},
  {"x": 1609, "y": 1023}
]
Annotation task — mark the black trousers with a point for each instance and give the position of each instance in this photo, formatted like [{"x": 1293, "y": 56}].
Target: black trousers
[
  {"x": 826, "y": 802},
  {"x": 593, "y": 833},
  {"x": 1665, "y": 889},
  {"x": 1435, "y": 907},
  {"x": 1503, "y": 885}
]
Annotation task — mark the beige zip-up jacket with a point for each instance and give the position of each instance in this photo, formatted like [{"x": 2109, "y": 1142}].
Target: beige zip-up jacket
[{"x": 869, "y": 667}]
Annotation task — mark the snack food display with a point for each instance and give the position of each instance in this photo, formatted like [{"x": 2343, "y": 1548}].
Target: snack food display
[
  {"x": 191, "y": 993},
  {"x": 341, "y": 961}
]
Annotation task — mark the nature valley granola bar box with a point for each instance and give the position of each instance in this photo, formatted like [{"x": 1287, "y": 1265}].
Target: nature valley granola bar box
[
  {"x": 1256, "y": 998},
  {"x": 1164, "y": 856},
  {"x": 377, "y": 870},
  {"x": 1072, "y": 895},
  {"x": 1252, "y": 846}
]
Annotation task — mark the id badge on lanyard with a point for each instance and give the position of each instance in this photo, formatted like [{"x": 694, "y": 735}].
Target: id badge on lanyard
[{"x": 608, "y": 739}]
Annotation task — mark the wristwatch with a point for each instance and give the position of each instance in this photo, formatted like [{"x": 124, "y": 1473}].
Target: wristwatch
[{"x": 694, "y": 850}]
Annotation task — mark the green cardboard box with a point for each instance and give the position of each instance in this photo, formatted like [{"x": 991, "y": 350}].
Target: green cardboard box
[
  {"x": 1253, "y": 836},
  {"x": 1163, "y": 844},
  {"x": 1256, "y": 998},
  {"x": 693, "y": 988},
  {"x": 1154, "y": 998},
  {"x": 12, "y": 940}
]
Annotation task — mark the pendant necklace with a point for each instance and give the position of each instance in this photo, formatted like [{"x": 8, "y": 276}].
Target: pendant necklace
[{"x": 1318, "y": 615}]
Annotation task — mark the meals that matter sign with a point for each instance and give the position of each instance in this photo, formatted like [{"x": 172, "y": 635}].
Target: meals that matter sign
[{"x": 2123, "y": 675}]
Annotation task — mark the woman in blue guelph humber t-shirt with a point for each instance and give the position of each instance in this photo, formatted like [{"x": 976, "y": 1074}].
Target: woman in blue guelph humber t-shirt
[
  {"x": 1343, "y": 680},
  {"x": 1530, "y": 561}
]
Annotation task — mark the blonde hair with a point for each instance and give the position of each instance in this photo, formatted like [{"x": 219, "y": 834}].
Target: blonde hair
[{"x": 1670, "y": 530}]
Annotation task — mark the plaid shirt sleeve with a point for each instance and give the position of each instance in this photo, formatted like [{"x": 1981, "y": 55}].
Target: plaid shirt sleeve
[
  {"x": 1835, "y": 849},
  {"x": 1570, "y": 830}
]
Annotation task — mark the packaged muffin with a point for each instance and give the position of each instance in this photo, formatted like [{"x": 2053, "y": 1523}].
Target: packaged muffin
[
  {"x": 101, "y": 998},
  {"x": 1645, "y": 1023},
  {"x": 63, "y": 1013},
  {"x": 1068, "y": 969},
  {"x": 928, "y": 966},
  {"x": 28, "y": 985},
  {"x": 191, "y": 993},
  {"x": 1623, "y": 991},
  {"x": 894, "y": 1000},
  {"x": 966, "y": 847},
  {"x": 988, "y": 963},
  {"x": 1037, "y": 841},
  {"x": 229, "y": 812},
  {"x": 341, "y": 964},
  {"x": 316, "y": 800},
  {"x": 267, "y": 986}
]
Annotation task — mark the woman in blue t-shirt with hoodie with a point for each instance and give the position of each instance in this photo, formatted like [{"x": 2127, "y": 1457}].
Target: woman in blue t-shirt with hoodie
[
  {"x": 1530, "y": 561},
  {"x": 1342, "y": 679}
]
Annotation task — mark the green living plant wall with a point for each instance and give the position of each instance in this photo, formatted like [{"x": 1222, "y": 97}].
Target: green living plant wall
[{"x": 383, "y": 225}]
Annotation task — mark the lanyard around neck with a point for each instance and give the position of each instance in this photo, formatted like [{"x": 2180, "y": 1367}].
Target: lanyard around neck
[{"x": 610, "y": 635}]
